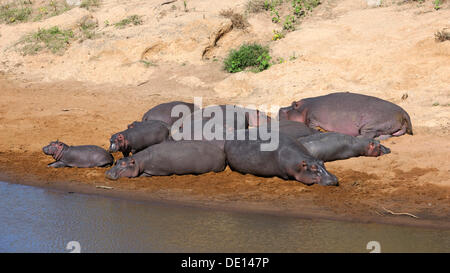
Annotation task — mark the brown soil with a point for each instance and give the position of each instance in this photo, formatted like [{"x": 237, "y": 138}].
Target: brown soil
[
  {"x": 413, "y": 178},
  {"x": 97, "y": 87}
]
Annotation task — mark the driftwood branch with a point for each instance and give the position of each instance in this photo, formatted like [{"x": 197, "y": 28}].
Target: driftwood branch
[
  {"x": 105, "y": 187},
  {"x": 399, "y": 213},
  {"x": 168, "y": 2}
]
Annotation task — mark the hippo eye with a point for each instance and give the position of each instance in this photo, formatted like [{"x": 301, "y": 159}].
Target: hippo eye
[{"x": 313, "y": 168}]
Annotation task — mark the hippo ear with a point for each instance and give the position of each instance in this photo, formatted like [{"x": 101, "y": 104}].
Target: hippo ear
[
  {"x": 313, "y": 168},
  {"x": 132, "y": 162}
]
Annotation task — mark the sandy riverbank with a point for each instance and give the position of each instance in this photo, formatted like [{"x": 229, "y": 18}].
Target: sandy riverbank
[{"x": 413, "y": 178}]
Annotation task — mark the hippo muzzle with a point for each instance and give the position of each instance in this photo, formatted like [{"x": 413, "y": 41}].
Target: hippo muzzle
[
  {"x": 329, "y": 180},
  {"x": 326, "y": 178},
  {"x": 112, "y": 174}
]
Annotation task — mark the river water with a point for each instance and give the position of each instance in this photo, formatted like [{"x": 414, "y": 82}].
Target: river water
[{"x": 41, "y": 220}]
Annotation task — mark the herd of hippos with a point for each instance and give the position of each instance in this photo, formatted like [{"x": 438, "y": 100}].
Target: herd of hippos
[{"x": 310, "y": 132}]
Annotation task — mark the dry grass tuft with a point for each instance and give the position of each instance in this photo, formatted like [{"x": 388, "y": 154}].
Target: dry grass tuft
[{"x": 238, "y": 20}]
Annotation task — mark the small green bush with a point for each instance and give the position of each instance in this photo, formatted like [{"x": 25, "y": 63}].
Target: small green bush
[
  {"x": 289, "y": 23},
  {"x": 130, "y": 20},
  {"x": 53, "y": 8},
  {"x": 13, "y": 13},
  {"x": 53, "y": 39},
  {"x": 88, "y": 4},
  {"x": 248, "y": 56},
  {"x": 437, "y": 4}
]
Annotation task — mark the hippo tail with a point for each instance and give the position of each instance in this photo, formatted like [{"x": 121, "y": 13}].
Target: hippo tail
[{"x": 406, "y": 118}]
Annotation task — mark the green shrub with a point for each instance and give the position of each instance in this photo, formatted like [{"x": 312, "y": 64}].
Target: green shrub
[
  {"x": 248, "y": 56},
  {"x": 53, "y": 8},
  {"x": 289, "y": 23},
  {"x": 13, "y": 13},
  {"x": 303, "y": 6},
  {"x": 52, "y": 39},
  {"x": 130, "y": 20},
  {"x": 87, "y": 4},
  {"x": 437, "y": 4}
]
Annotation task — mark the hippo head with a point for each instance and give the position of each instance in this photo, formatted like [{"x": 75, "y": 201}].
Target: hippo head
[
  {"x": 311, "y": 172},
  {"x": 293, "y": 112},
  {"x": 55, "y": 149},
  {"x": 374, "y": 148},
  {"x": 124, "y": 167},
  {"x": 117, "y": 143}
]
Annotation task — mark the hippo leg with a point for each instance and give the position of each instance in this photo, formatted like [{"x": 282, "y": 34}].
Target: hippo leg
[
  {"x": 367, "y": 133},
  {"x": 383, "y": 137},
  {"x": 57, "y": 164}
]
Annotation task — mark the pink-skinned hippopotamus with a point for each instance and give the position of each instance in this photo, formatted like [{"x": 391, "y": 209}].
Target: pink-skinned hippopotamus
[
  {"x": 85, "y": 156},
  {"x": 171, "y": 157},
  {"x": 350, "y": 114},
  {"x": 163, "y": 112},
  {"x": 335, "y": 146},
  {"x": 291, "y": 160},
  {"x": 139, "y": 136}
]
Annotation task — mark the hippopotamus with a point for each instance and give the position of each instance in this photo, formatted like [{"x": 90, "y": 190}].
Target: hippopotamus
[
  {"x": 293, "y": 129},
  {"x": 242, "y": 118},
  {"x": 204, "y": 134},
  {"x": 85, "y": 156},
  {"x": 136, "y": 123},
  {"x": 252, "y": 117},
  {"x": 172, "y": 157},
  {"x": 139, "y": 137},
  {"x": 289, "y": 161},
  {"x": 335, "y": 146},
  {"x": 163, "y": 112},
  {"x": 208, "y": 125},
  {"x": 350, "y": 114}
]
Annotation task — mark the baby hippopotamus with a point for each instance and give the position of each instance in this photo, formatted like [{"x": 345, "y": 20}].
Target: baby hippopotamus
[
  {"x": 335, "y": 146},
  {"x": 350, "y": 114},
  {"x": 138, "y": 137},
  {"x": 86, "y": 156},
  {"x": 289, "y": 161},
  {"x": 171, "y": 157}
]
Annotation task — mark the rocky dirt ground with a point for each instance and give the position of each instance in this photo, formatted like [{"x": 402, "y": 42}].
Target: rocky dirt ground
[{"x": 100, "y": 84}]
